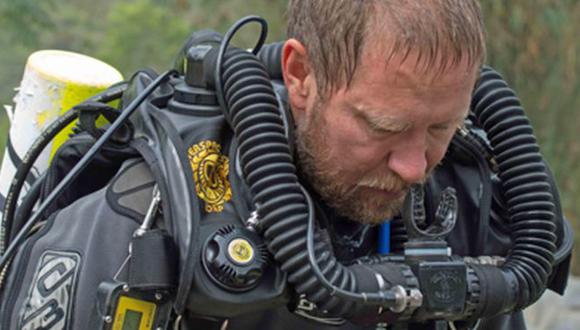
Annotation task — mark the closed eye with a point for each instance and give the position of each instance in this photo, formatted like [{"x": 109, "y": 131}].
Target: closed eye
[
  {"x": 442, "y": 127},
  {"x": 379, "y": 125},
  {"x": 447, "y": 126},
  {"x": 378, "y": 128}
]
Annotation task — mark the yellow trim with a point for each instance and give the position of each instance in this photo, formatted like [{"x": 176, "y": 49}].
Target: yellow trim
[
  {"x": 145, "y": 308},
  {"x": 72, "y": 94}
]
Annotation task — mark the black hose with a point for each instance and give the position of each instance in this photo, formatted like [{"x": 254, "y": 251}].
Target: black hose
[
  {"x": 380, "y": 297},
  {"x": 525, "y": 185},
  {"x": 45, "y": 137},
  {"x": 252, "y": 108},
  {"x": 26, "y": 205}
]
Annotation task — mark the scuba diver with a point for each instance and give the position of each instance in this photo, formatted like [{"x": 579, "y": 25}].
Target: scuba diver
[{"x": 368, "y": 173}]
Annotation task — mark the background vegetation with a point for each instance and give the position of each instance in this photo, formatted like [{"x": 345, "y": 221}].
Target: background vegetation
[{"x": 534, "y": 44}]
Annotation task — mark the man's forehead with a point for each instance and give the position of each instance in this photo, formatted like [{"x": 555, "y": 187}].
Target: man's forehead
[
  {"x": 386, "y": 49},
  {"x": 427, "y": 33},
  {"x": 409, "y": 70},
  {"x": 385, "y": 113}
]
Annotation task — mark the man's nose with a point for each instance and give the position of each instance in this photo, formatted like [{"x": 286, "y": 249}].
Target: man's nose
[{"x": 410, "y": 163}]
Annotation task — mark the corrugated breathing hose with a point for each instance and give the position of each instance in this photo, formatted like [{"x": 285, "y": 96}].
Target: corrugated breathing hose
[
  {"x": 271, "y": 176},
  {"x": 525, "y": 185}
]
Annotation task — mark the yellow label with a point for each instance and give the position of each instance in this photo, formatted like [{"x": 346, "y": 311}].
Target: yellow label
[
  {"x": 72, "y": 95},
  {"x": 210, "y": 174},
  {"x": 240, "y": 250},
  {"x": 133, "y": 314}
]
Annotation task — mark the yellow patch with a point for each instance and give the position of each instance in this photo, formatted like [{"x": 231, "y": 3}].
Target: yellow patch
[
  {"x": 210, "y": 174},
  {"x": 43, "y": 118}
]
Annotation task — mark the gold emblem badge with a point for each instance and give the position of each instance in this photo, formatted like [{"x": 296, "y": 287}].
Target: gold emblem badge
[{"x": 210, "y": 173}]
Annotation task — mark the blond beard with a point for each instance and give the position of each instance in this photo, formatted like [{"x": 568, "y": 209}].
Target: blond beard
[{"x": 346, "y": 198}]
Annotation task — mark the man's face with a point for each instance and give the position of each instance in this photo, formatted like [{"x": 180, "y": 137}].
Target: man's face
[{"x": 361, "y": 147}]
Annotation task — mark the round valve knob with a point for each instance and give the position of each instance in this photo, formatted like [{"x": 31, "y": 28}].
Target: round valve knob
[{"x": 235, "y": 258}]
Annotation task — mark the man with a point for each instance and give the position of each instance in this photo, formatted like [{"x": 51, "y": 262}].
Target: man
[{"x": 376, "y": 89}]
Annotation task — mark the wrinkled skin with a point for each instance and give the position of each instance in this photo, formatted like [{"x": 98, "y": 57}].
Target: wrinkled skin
[{"x": 362, "y": 146}]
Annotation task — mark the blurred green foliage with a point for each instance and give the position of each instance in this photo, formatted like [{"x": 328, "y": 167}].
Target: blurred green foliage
[{"x": 535, "y": 44}]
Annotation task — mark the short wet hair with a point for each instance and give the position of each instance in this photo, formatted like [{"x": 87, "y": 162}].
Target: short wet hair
[{"x": 334, "y": 32}]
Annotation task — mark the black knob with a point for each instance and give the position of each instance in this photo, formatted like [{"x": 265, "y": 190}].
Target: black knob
[
  {"x": 195, "y": 70},
  {"x": 235, "y": 258}
]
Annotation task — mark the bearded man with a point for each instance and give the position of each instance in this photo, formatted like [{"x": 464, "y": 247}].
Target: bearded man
[
  {"x": 377, "y": 90},
  {"x": 377, "y": 99}
]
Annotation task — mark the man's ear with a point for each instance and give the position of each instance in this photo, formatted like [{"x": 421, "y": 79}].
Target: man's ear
[{"x": 298, "y": 77}]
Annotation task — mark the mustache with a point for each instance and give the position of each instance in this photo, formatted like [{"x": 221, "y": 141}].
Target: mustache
[{"x": 389, "y": 182}]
